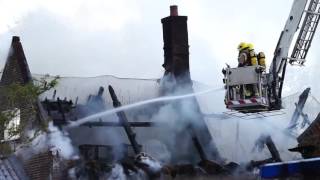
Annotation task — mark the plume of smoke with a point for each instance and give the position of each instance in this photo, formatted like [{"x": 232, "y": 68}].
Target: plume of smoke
[
  {"x": 60, "y": 140},
  {"x": 54, "y": 140},
  {"x": 170, "y": 133},
  {"x": 176, "y": 117}
]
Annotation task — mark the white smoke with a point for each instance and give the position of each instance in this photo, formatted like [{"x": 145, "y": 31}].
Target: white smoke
[
  {"x": 60, "y": 140},
  {"x": 55, "y": 140},
  {"x": 154, "y": 166},
  {"x": 117, "y": 173},
  {"x": 158, "y": 150}
]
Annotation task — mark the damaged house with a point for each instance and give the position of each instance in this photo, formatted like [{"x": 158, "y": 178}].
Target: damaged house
[
  {"x": 106, "y": 126},
  {"x": 155, "y": 129},
  {"x": 28, "y": 116}
]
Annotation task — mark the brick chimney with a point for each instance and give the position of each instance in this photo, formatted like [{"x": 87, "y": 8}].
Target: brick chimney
[
  {"x": 176, "y": 63},
  {"x": 176, "y": 47}
]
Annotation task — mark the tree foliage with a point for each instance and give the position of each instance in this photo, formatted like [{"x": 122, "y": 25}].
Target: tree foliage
[{"x": 15, "y": 96}]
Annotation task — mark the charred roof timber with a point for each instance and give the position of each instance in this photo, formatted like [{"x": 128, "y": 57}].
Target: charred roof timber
[
  {"x": 58, "y": 110},
  {"x": 299, "y": 110},
  {"x": 176, "y": 47},
  {"x": 124, "y": 122}
]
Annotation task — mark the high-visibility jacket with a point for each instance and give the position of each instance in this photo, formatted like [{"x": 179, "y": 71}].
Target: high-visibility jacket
[{"x": 247, "y": 58}]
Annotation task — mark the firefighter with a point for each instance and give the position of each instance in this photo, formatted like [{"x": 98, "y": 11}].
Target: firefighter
[
  {"x": 233, "y": 92},
  {"x": 243, "y": 54},
  {"x": 247, "y": 57},
  {"x": 252, "y": 55}
]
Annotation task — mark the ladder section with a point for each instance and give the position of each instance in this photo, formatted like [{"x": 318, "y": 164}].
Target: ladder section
[{"x": 307, "y": 30}]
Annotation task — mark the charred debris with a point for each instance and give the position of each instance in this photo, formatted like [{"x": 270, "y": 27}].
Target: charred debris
[{"x": 95, "y": 161}]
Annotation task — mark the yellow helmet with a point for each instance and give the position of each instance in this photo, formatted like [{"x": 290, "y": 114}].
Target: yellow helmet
[
  {"x": 242, "y": 45},
  {"x": 250, "y": 46}
]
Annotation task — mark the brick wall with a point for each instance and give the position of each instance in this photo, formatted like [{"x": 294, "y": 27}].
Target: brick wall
[
  {"x": 39, "y": 166},
  {"x": 46, "y": 165}
]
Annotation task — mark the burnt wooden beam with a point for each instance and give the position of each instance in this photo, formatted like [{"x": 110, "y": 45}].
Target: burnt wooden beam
[
  {"x": 275, "y": 155},
  {"x": 61, "y": 110},
  {"x": 123, "y": 120},
  {"x": 197, "y": 144},
  {"x": 273, "y": 149}
]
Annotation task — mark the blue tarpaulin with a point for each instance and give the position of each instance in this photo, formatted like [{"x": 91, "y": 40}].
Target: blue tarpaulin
[{"x": 286, "y": 169}]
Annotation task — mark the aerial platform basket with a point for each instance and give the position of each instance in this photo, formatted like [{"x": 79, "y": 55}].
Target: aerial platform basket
[{"x": 246, "y": 89}]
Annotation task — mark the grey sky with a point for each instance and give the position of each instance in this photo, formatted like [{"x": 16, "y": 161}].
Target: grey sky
[{"x": 124, "y": 37}]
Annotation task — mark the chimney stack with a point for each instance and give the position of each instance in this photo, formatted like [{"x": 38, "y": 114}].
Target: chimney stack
[
  {"x": 174, "y": 10},
  {"x": 176, "y": 63},
  {"x": 176, "y": 47},
  {"x": 15, "y": 39}
]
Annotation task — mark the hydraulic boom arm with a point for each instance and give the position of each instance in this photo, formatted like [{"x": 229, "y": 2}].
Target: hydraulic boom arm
[{"x": 306, "y": 14}]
